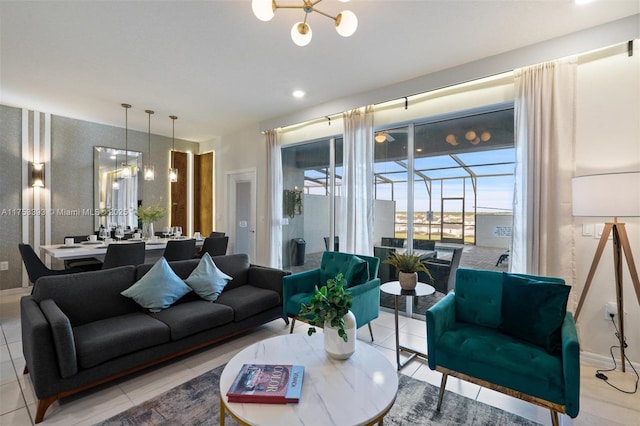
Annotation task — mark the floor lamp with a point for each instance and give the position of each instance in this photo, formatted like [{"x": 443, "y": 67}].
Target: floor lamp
[{"x": 610, "y": 195}]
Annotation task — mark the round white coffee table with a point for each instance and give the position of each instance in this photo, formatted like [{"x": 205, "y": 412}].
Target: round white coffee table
[{"x": 357, "y": 391}]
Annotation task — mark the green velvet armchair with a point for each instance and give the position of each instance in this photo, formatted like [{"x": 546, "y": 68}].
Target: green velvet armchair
[
  {"x": 361, "y": 274},
  {"x": 510, "y": 333}
]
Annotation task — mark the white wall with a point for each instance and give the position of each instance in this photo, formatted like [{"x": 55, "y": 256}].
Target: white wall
[
  {"x": 493, "y": 230},
  {"x": 608, "y": 139}
]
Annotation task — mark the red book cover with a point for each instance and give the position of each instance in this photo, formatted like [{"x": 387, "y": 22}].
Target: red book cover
[{"x": 267, "y": 384}]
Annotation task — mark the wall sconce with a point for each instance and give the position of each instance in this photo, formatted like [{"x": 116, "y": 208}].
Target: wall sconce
[{"x": 37, "y": 175}]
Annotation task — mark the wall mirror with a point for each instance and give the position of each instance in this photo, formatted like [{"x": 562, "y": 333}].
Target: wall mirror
[{"x": 116, "y": 197}]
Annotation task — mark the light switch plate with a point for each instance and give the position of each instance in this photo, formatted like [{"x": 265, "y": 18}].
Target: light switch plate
[
  {"x": 4, "y": 266},
  {"x": 587, "y": 229}
]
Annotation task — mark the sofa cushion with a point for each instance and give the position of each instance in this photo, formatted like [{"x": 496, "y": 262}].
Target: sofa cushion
[
  {"x": 479, "y": 297},
  {"x": 106, "y": 339},
  {"x": 157, "y": 289},
  {"x": 236, "y": 266},
  {"x": 357, "y": 271},
  {"x": 89, "y": 296},
  {"x": 185, "y": 319},
  {"x": 207, "y": 280},
  {"x": 491, "y": 355},
  {"x": 248, "y": 300},
  {"x": 534, "y": 310}
]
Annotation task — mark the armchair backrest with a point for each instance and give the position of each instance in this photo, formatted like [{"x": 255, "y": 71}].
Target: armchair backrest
[
  {"x": 334, "y": 262},
  {"x": 478, "y": 298}
]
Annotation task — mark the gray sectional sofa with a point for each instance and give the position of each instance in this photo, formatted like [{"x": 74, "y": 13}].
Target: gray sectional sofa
[{"x": 78, "y": 331}]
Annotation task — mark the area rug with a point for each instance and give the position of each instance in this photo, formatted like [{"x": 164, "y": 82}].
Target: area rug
[{"x": 196, "y": 403}]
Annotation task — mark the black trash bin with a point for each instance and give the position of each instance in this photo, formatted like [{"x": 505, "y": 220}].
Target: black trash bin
[{"x": 300, "y": 244}]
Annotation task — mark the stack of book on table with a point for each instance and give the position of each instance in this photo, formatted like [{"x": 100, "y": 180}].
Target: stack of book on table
[{"x": 267, "y": 384}]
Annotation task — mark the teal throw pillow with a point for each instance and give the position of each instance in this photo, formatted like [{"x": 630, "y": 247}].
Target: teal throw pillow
[
  {"x": 158, "y": 289},
  {"x": 534, "y": 310},
  {"x": 207, "y": 280},
  {"x": 357, "y": 271}
]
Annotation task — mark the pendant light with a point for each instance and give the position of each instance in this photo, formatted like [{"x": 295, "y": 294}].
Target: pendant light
[
  {"x": 173, "y": 172},
  {"x": 126, "y": 170},
  {"x": 115, "y": 184},
  {"x": 149, "y": 173}
]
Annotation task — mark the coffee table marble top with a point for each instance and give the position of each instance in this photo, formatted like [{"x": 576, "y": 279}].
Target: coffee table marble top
[{"x": 356, "y": 391}]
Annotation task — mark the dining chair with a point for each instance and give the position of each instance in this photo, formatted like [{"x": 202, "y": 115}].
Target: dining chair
[
  {"x": 124, "y": 254},
  {"x": 84, "y": 263},
  {"x": 216, "y": 234},
  {"x": 36, "y": 268},
  {"x": 180, "y": 250},
  {"x": 214, "y": 246}
]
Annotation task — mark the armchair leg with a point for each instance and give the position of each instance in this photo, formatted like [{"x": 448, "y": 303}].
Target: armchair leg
[
  {"x": 370, "y": 331},
  {"x": 443, "y": 384},
  {"x": 293, "y": 323},
  {"x": 554, "y": 418}
]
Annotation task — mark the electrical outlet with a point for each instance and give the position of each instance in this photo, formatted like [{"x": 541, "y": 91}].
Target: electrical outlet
[
  {"x": 610, "y": 308},
  {"x": 4, "y": 266}
]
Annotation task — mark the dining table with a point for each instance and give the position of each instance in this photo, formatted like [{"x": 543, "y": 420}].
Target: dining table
[{"x": 154, "y": 248}]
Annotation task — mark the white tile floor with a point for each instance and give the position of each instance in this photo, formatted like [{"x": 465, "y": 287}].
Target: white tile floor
[{"x": 600, "y": 404}]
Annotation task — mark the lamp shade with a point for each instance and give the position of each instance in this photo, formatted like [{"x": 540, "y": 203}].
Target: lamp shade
[
  {"x": 346, "y": 23},
  {"x": 301, "y": 33},
  {"x": 608, "y": 195},
  {"x": 263, "y": 9}
]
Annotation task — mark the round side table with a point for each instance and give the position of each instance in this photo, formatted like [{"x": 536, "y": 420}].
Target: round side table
[{"x": 393, "y": 288}]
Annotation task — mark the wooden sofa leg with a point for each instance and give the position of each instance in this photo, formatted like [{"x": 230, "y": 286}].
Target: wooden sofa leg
[
  {"x": 43, "y": 405},
  {"x": 443, "y": 384},
  {"x": 554, "y": 418},
  {"x": 293, "y": 323},
  {"x": 370, "y": 331}
]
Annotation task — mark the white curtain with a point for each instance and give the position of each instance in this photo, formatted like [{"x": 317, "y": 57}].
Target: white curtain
[
  {"x": 274, "y": 197},
  {"x": 543, "y": 241},
  {"x": 356, "y": 235}
]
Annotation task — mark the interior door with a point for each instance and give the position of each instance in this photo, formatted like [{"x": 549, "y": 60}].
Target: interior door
[{"x": 241, "y": 212}]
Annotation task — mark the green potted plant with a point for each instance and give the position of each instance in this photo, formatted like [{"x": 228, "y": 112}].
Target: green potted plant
[
  {"x": 329, "y": 308},
  {"x": 408, "y": 265}
]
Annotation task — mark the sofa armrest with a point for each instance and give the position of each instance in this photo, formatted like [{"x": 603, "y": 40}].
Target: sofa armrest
[
  {"x": 571, "y": 365},
  {"x": 38, "y": 348},
  {"x": 267, "y": 278},
  {"x": 439, "y": 318},
  {"x": 63, "y": 340}
]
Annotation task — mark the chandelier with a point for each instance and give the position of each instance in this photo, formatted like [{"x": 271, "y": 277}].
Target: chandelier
[{"x": 346, "y": 21}]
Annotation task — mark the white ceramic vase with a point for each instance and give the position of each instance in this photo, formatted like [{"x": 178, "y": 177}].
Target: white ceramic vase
[
  {"x": 408, "y": 280},
  {"x": 334, "y": 345}
]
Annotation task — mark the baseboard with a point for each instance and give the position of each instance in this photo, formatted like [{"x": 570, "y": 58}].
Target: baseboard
[
  {"x": 17, "y": 290},
  {"x": 602, "y": 361}
]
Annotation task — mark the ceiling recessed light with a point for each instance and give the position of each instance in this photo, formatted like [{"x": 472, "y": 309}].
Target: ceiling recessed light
[{"x": 298, "y": 94}]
